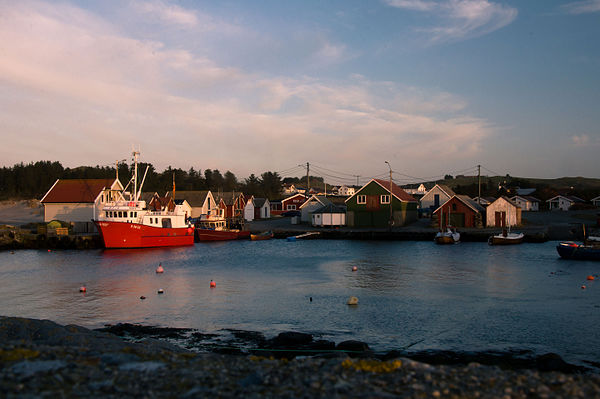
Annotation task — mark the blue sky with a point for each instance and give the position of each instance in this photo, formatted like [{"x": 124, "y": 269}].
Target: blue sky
[{"x": 433, "y": 87}]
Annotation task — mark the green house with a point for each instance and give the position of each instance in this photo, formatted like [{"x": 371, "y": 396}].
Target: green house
[{"x": 370, "y": 206}]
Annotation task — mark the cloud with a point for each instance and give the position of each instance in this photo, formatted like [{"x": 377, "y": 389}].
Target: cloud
[
  {"x": 582, "y": 7},
  {"x": 81, "y": 83},
  {"x": 459, "y": 19},
  {"x": 167, "y": 13}
]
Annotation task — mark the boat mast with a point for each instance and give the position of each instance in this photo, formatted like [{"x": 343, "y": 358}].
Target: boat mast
[{"x": 135, "y": 160}]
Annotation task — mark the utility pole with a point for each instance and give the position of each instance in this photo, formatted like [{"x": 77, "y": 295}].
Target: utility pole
[
  {"x": 357, "y": 176},
  {"x": 307, "y": 179},
  {"x": 479, "y": 183},
  {"x": 391, "y": 210}
]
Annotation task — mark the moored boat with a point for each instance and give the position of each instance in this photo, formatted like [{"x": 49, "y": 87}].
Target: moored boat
[
  {"x": 213, "y": 228},
  {"x": 265, "y": 235},
  {"x": 128, "y": 223},
  {"x": 450, "y": 236},
  {"x": 572, "y": 250},
  {"x": 506, "y": 238}
]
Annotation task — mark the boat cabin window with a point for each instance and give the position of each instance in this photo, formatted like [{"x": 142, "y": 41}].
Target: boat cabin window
[{"x": 120, "y": 214}]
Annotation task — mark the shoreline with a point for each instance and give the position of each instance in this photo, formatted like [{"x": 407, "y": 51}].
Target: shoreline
[{"x": 40, "y": 357}]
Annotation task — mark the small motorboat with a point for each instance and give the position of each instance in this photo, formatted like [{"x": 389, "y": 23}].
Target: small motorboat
[
  {"x": 450, "y": 236},
  {"x": 265, "y": 235},
  {"x": 506, "y": 238},
  {"x": 572, "y": 250}
]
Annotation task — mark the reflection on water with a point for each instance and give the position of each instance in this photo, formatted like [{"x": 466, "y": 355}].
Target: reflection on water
[{"x": 466, "y": 296}]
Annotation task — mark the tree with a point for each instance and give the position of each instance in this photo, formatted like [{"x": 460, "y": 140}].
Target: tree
[
  {"x": 271, "y": 184},
  {"x": 230, "y": 182},
  {"x": 252, "y": 185}
]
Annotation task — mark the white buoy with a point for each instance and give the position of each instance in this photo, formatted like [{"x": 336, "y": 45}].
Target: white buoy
[
  {"x": 354, "y": 268},
  {"x": 352, "y": 300},
  {"x": 161, "y": 291}
]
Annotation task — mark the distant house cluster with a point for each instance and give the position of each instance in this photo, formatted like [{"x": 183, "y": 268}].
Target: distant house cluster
[{"x": 377, "y": 204}]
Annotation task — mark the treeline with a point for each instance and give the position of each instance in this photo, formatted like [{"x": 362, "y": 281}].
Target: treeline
[{"x": 33, "y": 180}]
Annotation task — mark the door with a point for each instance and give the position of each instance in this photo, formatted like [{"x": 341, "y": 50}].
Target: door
[
  {"x": 457, "y": 219},
  {"x": 500, "y": 219}
]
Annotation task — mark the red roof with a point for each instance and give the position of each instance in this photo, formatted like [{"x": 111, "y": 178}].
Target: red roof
[
  {"x": 396, "y": 190},
  {"x": 77, "y": 190}
]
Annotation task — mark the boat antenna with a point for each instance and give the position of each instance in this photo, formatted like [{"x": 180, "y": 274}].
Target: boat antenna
[{"x": 139, "y": 193}]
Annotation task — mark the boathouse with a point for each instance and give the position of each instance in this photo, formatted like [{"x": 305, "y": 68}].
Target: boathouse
[
  {"x": 79, "y": 201},
  {"x": 435, "y": 197},
  {"x": 329, "y": 215},
  {"x": 459, "y": 211},
  {"x": 292, "y": 203},
  {"x": 232, "y": 204},
  {"x": 370, "y": 205},
  {"x": 201, "y": 202},
  {"x": 249, "y": 209},
  {"x": 262, "y": 208},
  {"x": 503, "y": 212},
  {"x": 312, "y": 204}
]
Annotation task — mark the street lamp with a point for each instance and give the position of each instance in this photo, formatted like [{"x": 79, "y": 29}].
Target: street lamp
[{"x": 391, "y": 222}]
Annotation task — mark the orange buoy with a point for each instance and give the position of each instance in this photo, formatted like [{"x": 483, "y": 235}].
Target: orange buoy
[
  {"x": 354, "y": 268},
  {"x": 590, "y": 277},
  {"x": 82, "y": 289},
  {"x": 160, "y": 269},
  {"x": 583, "y": 287},
  {"x": 212, "y": 284}
]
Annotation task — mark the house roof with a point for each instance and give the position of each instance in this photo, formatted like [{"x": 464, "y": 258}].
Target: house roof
[
  {"x": 510, "y": 201},
  {"x": 293, "y": 196},
  {"x": 596, "y": 199},
  {"x": 194, "y": 198},
  {"x": 329, "y": 208},
  {"x": 228, "y": 197},
  {"x": 397, "y": 191},
  {"x": 465, "y": 199},
  {"x": 527, "y": 198},
  {"x": 571, "y": 198},
  {"x": 321, "y": 199},
  {"x": 77, "y": 190},
  {"x": 525, "y": 191},
  {"x": 258, "y": 202}
]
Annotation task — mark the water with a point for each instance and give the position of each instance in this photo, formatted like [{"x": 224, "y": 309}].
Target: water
[{"x": 461, "y": 297}]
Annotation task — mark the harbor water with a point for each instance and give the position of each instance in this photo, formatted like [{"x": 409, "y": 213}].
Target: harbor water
[{"x": 415, "y": 295}]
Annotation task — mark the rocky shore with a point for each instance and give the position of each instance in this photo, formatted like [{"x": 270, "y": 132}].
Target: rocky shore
[{"x": 39, "y": 358}]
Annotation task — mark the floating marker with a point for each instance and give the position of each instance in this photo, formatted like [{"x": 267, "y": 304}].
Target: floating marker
[
  {"x": 590, "y": 277},
  {"x": 82, "y": 289},
  {"x": 160, "y": 269},
  {"x": 161, "y": 291},
  {"x": 354, "y": 268},
  {"x": 352, "y": 300},
  {"x": 583, "y": 287},
  {"x": 212, "y": 284},
  {"x": 142, "y": 297}
]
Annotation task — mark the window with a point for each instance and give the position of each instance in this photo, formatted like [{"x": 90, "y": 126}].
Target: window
[
  {"x": 361, "y": 199},
  {"x": 453, "y": 207},
  {"x": 384, "y": 199},
  {"x": 120, "y": 214},
  {"x": 291, "y": 207}
]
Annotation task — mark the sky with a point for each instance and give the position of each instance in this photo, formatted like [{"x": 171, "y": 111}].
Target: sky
[{"x": 434, "y": 87}]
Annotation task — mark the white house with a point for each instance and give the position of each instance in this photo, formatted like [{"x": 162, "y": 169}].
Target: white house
[
  {"x": 596, "y": 201},
  {"x": 503, "y": 213},
  {"x": 201, "y": 202},
  {"x": 421, "y": 190},
  {"x": 262, "y": 208},
  {"x": 79, "y": 201},
  {"x": 249, "y": 209},
  {"x": 346, "y": 191},
  {"x": 563, "y": 203},
  {"x": 313, "y": 203},
  {"x": 527, "y": 202},
  {"x": 437, "y": 196},
  {"x": 329, "y": 215}
]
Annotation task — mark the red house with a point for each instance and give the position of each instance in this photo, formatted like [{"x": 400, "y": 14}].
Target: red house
[
  {"x": 290, "y": 204},
  {"x": 460, "y": 211}
]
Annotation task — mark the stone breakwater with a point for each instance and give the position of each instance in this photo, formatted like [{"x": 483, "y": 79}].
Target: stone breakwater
[{"x": 39, "y": 358}]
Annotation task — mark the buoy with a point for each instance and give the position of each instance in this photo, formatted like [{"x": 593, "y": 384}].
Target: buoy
[
  {"x": 161, "y": 291},
  {"x": 352, "y": 300},
  {"x": 311, "y": 298},
  {"x": 160, "y": 269},
  {"x": 590, "y": 277},
  {"x": 142, "y": 297},
  {"x": 583, "y": 287},
  {"x": 354, "y": 268},
  {"x": 49, "y": 251},
  {"x": 212, "y": 284},
  {"x": 82, "y": 288}
]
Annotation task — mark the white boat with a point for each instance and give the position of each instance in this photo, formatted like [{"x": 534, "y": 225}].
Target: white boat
[
  {"x": 450, "y": 236},
  {"x": 506, "y": 238}
]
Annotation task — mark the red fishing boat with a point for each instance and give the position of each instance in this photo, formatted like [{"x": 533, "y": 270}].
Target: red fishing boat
[
  {"x": 213, "y": 228},
  {"x": 128, "y": 223}
]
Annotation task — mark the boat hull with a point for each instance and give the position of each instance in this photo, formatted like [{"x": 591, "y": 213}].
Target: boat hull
[
  {"x": 571, "y": 250},
  {"x": 262, "y": 236},
  {"x": 508, "y": 240},
  {"x": 216, "y": 235},
  {"x": 444, "y": 240},
  {"x": 135, "y": 235}
]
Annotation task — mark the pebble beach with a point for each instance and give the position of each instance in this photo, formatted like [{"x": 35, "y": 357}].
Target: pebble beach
[{"x": 39, "y": 358}]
